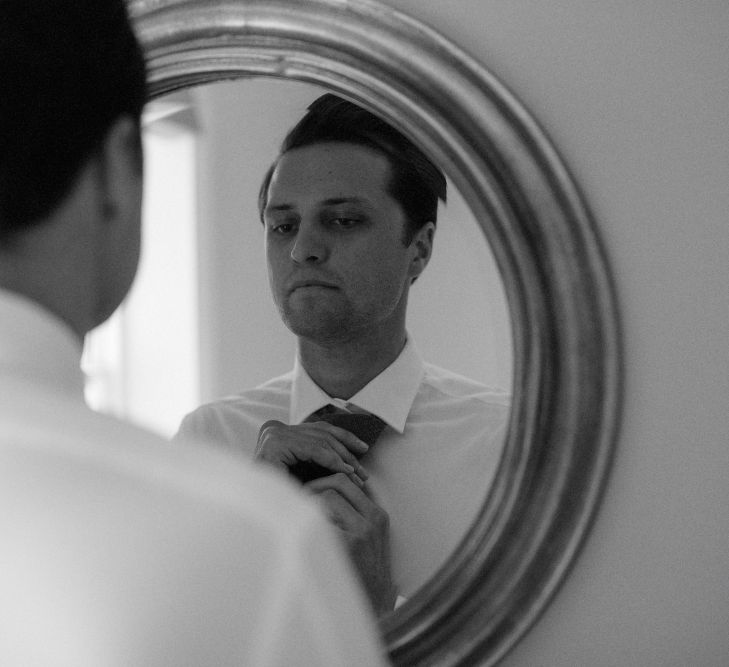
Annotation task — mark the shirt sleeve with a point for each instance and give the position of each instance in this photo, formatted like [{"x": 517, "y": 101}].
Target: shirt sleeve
[{"x": 194, "y": 427}]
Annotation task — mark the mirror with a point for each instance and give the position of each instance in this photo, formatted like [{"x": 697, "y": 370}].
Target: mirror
[{"x": 562, "y": 312}]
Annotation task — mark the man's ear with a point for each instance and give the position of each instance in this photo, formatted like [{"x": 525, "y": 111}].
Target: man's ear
[
  {"x": 422, "y": 246},
  {"x": 120, "y": 162}
]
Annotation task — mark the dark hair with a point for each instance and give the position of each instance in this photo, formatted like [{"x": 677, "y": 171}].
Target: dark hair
[
  {"x": 68, "y": 70},
  {"x": 416, "y": 183}
]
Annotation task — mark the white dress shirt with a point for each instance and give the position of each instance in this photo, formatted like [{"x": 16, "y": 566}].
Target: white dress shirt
[
  {"x": 120, "y": 549},
  {"x": 430, "y": 469}
]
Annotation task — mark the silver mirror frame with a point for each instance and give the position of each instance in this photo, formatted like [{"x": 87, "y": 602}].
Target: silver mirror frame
[{"x": 567, "y": 369}]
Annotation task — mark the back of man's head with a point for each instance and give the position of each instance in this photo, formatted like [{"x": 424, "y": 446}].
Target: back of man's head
[
  {"x": 68, "y": 70},
  {"x": 416, "y": 183}
]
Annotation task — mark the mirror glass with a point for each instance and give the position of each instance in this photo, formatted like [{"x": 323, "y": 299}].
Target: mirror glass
[{"x": 200, "y": 323}]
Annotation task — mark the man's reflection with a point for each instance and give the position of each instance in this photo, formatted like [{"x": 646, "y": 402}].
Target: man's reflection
[{"x": 349, "y": 209}]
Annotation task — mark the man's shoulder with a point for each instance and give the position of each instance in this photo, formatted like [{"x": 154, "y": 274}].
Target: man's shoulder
[
  {"x": 236, "y": 419},
  {"x": 103, "y": 450},
  {"x": 199, "y": 512},
  {"x": 458, "y": 386},
  {"x": 275, "y": 391},
  {"x": 281, "y": 384}
]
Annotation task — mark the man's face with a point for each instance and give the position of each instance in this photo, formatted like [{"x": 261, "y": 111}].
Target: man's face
[{"x": 337, "y": 264}]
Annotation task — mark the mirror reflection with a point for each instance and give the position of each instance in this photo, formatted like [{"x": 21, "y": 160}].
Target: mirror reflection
[{"x": 221, "y": 334}]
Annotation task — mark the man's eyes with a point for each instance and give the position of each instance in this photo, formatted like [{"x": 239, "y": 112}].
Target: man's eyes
[
  {"x": 283, "y": 228},
  {"x": 286, "y": 227},
  {"x": 344, "y": 222}
]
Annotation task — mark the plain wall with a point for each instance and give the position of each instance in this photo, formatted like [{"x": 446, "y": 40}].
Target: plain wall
[{"x": 636, "y": 97}]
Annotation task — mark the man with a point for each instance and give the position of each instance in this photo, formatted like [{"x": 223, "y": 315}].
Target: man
[
  {"x": 117, "y": 550},
  {"x": 349, "y": 209}
]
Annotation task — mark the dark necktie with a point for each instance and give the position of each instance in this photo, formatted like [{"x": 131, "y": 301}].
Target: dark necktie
[{"x": 367, "y": 427}]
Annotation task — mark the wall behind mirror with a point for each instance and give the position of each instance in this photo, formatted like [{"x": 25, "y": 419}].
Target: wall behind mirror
[{"x": 219, "y": 332}]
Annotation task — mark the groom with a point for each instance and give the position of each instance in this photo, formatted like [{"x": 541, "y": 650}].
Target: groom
[{"x": 349, "y": 209}]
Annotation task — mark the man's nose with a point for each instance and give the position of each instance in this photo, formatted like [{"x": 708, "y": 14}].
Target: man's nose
[{"x": 310, "y": 245}]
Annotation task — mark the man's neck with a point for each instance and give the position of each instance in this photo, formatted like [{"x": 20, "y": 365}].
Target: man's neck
[
  {"x": 342, "y": 369},
  {"x": 52, "y": 264},
  {"x": 31, "y": 283}
]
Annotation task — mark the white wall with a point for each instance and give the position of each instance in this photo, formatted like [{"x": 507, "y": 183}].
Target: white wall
[{"x": 636, "y": 97}]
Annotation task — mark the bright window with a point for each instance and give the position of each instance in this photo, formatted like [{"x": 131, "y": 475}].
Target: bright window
[{"x": 143, "y": 363}]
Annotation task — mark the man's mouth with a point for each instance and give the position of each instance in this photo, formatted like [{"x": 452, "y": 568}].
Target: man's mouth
[{"x": 311, "y": 284}]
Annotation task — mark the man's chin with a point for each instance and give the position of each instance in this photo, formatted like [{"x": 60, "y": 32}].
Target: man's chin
[{"x": 318, "y": 328}]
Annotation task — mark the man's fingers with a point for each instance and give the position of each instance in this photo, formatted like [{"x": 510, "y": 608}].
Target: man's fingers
[
  {"x": 347, "y": 455},
  {"x": 349, "y": 439},
  {"x": 349, "y": 508},
  {"x": 330, "y": 459},
  {"x": 351, "y": 492},
  {"x": 336, "y": 445},
  {"x": 282, "y": 445},
  {"x": 289, "y": 449},
  {"x": 339, "y": 510},
  {"x": 346, "y": 444}
]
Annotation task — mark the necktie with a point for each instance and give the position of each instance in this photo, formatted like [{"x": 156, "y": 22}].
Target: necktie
[{"x": 367, "y": 427}]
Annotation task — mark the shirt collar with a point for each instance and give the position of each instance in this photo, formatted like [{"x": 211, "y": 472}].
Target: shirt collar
[
  {"x": 390, "y": 395},
  {"x": 36, "y": 345}
]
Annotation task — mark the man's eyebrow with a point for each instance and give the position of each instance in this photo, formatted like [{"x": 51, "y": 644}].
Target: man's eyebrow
[
  {"x": 331, "y": 201},
  {"x": 277, "y": 207},
  {"x": 334, "y": 201}
]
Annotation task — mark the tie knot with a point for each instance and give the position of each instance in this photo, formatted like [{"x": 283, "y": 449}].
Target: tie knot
[{"x": 366, "y": 426}]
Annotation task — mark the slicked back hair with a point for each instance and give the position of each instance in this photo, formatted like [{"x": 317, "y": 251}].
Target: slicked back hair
[
  {"x": 415, "y": 183},
  {"x": 68, "y": 70}
]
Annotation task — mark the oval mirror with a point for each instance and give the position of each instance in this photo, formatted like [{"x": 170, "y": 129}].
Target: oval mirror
[{"x": 563, "y": 318}]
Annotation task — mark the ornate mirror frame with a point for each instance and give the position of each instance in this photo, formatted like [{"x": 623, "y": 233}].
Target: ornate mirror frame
[{"x": 564, "y": 318}]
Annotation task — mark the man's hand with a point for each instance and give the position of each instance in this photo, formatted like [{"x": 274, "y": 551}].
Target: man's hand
[
  {"x": 365, "y": 527},
  {"x": 332, "y": 447}
]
